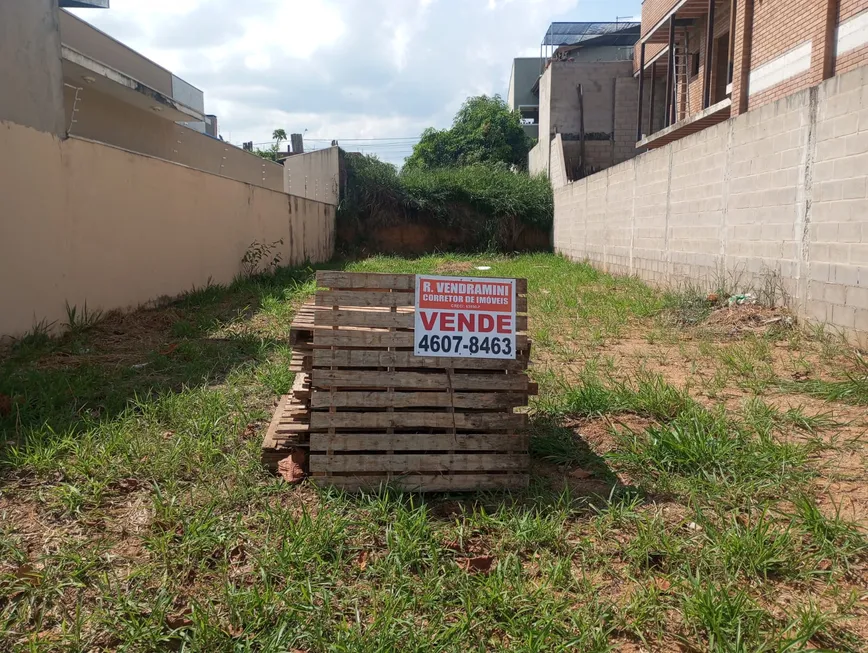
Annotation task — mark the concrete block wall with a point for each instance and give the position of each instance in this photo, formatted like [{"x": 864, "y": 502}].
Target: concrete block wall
[
  {"x": 838, "y": 223},
  {"x": 777, "y": 195}
]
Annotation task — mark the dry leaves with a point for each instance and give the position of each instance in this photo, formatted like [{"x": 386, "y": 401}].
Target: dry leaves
[
  {"x": 477, "y": 565},
  {"x": 179, "y": 619},
  {"x": 127, "y": 485},
  {"x": 234, "y": 631},
  {"x": 28, "y": 574},
  {"x": 662, "y": 584},
  {"x": 292, "y": 467}
]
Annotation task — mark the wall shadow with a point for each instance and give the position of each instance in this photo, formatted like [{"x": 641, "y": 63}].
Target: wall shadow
[{"x": 92, "y": 372}]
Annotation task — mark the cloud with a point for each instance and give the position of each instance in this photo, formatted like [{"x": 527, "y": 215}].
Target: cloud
[{"x": 338, "y": 68}]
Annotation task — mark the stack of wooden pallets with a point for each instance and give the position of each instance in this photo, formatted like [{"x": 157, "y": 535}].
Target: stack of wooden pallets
[
  {"x": 291, "y": 422},
  {"x": 371, "y": 411}
]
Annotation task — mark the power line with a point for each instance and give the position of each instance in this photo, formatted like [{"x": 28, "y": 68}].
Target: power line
[{"x": 394, "y": 138}]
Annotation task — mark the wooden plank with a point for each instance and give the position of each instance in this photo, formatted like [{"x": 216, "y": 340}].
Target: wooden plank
[
  {"x": 377, "y": 280},
  {"x": 372, "y": 318},
  {"x": 417, "y": 380},
  {"x": 362, "y": 298},
  {"x": 322, "y": 442},
  {"x": 380, "y": 399},
  {"x": 327, "y": 358},
  {"x": 381, "y": 319},
  {"x": 363, "y": 338},
  {"x": 286, "y": 429},
  {"x": 269, "y": 442},
  {"x": 463, "y": 421},
  {"x": 373, "y": 298},
  {"x": 301, "y": 387},
  {"x": 359, "y": 280},
  {"x": 429, "y": 482},
  {"x": 405, "y": 463}
]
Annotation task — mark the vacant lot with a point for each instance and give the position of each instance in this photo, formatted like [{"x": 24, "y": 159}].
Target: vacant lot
[{"x": 699, "y": 484}]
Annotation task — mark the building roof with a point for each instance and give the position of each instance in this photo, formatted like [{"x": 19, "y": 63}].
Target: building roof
[
  {"x": 623, "y": 34},
  {"x": 85, "y": 4}
]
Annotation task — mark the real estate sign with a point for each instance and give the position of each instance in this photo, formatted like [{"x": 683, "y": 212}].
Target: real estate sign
[{"x": 465, "y": 317}]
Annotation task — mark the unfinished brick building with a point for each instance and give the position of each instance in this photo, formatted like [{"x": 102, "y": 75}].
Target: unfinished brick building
[{"x": 761, "y": 50}]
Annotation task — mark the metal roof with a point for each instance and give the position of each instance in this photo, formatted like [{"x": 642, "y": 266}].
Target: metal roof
[
  {"x": 85, "y": 4},
  {"x": 625, "y": 34}
]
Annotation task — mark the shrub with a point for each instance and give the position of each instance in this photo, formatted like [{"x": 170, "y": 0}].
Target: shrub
[{"x": 488, "y": 205}]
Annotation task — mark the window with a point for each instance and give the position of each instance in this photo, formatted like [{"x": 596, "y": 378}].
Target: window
[
  {"x": 694, "y": 64},
  {"x": 529, "y": 114}
]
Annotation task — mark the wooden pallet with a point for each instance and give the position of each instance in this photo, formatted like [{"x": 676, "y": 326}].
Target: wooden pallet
[{"x": 380, "y": 414}]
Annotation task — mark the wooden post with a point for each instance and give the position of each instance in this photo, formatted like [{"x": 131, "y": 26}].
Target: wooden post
[
  {"x": 670, "y": 65},
  {"x": 827, "y": 48},
  {"x": 641, "y": 90},
  {"x": 730, "y": 56},
  {"x": 651, "y": 99},
  {"x": 741, "y": 56},
  {"x": 709, "y": 54}
]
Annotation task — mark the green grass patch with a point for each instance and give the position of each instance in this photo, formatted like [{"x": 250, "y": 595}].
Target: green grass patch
[{"x": 135, "y": 515}]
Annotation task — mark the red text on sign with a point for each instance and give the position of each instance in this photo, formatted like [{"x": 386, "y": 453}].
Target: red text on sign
[{"x": 464, "y": 323}]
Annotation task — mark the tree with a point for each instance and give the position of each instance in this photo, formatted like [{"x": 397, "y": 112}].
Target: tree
[
  {"x": 279, "y": 135},
  {"x": 484, "y": 131},
  {"x": 270, "y": 153}
]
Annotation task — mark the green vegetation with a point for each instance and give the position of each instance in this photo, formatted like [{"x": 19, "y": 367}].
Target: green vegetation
[
  {"x": 676, "y": 502},
  {"x": 484, "y": 131},
  {"x": 467, "y": 183},
  {"x": 481, "y": 207}
]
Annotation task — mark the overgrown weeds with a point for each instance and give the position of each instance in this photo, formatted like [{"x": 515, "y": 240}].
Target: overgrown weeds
[
  {"x": 485, "y": 207},
  {"x": 134, "y": 512}
]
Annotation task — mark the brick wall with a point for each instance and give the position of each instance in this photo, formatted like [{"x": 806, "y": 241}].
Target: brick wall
[
  {"x": 653, "y": 11},
  {"x": 779, "y": 28},
  {"x": 794, "y": 44},
  {"x": 691, "y": 102},
  {"x": 780, "y": 25},
  {"x": 779, "y": 192},
  {"x": 852, "y": 13}
]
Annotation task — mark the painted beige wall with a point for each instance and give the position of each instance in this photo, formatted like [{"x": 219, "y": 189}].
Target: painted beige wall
[
  {"x": 777, "y": 195},
  {"x": 315, "y": 175},
  {"x": 101, "y": 117},
  {"x": 85, "y": 222},
  {"x": 30, "y": 71},
  {"x": 88, "y": 40}
]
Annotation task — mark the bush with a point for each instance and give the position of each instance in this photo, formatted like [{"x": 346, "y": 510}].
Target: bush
[{"x": 488, "y": 205}]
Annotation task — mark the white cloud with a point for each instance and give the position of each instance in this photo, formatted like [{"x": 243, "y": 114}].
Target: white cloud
[{"x": 340, "y": 68}]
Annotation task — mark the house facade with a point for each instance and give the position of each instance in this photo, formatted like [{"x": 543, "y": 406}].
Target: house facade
[
  {"x": 521, "y": 96},
  {"x": 715, "y": 59},
  {"x": 587, "y": 96},
  {"x": 114, "y": 194}
]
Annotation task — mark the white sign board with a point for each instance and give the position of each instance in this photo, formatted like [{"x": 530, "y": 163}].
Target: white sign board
[{"x": 465, "y": 318}]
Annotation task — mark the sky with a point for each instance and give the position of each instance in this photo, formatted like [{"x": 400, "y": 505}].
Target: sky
[{"x": 372, "y": 74}]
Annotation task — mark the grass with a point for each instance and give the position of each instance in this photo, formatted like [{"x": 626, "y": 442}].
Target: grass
[{"x": 687, "y": 491}]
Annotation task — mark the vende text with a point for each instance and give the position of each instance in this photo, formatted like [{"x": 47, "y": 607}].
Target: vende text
[{"x": 466, "y": 323}]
